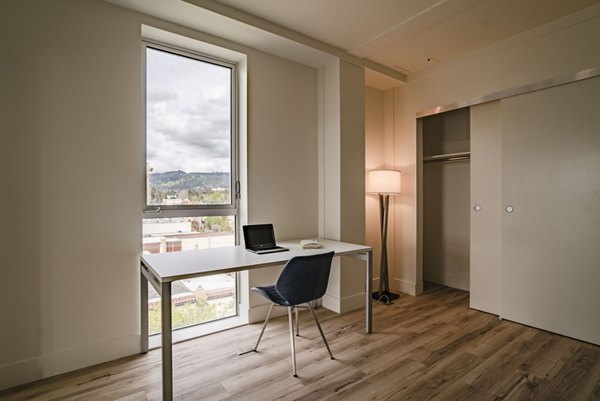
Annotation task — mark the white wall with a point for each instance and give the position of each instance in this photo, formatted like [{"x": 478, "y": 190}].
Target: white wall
[
  {"x": 564, "y": 46},
  {"x": 71, "y": 177},
  {"x": 73, "y": 163},
  {"x": 282, "y": 146},
  {"x": 352, "y": 190},
  {"x": 341, "y": 177}
]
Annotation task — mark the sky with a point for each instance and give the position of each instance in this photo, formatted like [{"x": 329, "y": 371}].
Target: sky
[{"x": 187, "y": 114}]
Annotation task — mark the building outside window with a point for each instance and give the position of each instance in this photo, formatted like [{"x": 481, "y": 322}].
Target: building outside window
[{"x": 191, "y": 175}]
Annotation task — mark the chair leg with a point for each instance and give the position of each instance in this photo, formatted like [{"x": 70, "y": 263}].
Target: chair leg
[
  {"x": 264, "y": 327},
  {"x": 312, "y": 312},
  {"x": 292, "y": 340},
  {"x": 297, "y": 322}
]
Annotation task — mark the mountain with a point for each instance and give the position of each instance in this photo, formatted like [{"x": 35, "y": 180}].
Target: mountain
[{"x": 179, "y": 180}]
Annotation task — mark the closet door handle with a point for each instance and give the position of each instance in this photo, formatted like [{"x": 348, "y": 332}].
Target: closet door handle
[
  {"x": 509, "y": 209},
  {"x": 477, "y": 207}
]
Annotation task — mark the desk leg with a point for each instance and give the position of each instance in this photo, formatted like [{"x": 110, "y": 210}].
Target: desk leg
[
  {"x": 167, "y": 343},
  {"x": 144, "y": 313},
  {"x": 369, "y": 297}
]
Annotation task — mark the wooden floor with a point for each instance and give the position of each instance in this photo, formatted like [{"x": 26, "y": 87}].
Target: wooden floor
[{"x": 431, "y": 347}]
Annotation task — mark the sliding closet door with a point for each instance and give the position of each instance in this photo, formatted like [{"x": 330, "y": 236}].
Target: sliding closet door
[
  {"x": 550, "y": 255},
  {"x": 485, "y": 207}
]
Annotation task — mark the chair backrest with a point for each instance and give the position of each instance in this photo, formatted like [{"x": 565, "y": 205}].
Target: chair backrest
[{"x": 304, "y": 278}]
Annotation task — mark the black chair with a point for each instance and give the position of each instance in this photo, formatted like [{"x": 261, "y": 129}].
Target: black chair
[{"x": 303, "y": 279}]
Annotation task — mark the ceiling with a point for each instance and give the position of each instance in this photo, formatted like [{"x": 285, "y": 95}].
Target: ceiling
[{"x": 393, "y": 37}]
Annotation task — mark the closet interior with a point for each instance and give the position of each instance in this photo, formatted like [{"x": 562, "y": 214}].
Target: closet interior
[{"x": 445, "y": 140}]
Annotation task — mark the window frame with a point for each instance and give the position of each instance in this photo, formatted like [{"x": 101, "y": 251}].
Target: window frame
[
  {"x": 174, "y": 211},
  {"x": 166, "y": 211}
]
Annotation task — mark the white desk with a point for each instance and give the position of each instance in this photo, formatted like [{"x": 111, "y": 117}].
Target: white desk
[{"x": 164, "y": 268}]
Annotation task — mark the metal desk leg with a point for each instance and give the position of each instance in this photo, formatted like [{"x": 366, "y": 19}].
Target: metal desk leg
[
  {"x": 369, "y": 300},
  {"x": 167, "y": 344},
  {"x": 144, "y": 313}
]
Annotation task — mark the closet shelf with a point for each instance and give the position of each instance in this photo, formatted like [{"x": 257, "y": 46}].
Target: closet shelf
[{"x": 448, "y": 157}]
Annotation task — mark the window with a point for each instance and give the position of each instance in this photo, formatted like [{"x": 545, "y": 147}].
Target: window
[{"x": 191, "y": 176}]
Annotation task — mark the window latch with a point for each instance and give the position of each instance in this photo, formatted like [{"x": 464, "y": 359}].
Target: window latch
[{"x": 237, "y": 190}]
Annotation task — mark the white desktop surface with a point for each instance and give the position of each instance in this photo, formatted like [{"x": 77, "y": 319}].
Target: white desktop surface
[{"x": 171, "y": 266}]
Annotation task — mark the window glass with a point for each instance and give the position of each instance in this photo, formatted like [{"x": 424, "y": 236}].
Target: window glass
[
  {"x": 190, "y": 176},
  {"x": 188, "y": 131},
  {"x": 195, "y": 300}
]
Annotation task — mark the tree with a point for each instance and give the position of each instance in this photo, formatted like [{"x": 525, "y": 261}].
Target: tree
[
  {"x": 218, "y": 223},
  {"x": 185, "y": 315}
]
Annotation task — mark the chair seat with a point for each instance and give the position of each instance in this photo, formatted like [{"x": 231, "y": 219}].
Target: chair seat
[{"x": 270, "y": 293}]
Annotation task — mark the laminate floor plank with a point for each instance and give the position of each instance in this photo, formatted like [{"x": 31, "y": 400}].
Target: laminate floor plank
[
  {"x": 583, "y": 368},
  {"x": 502, "y": 372},
  {"x": 429, "y": 381},
  {"x": 500, "y": 336},
  {"x": 430, "y": 347},
  {"x": 376, "y": 356}
]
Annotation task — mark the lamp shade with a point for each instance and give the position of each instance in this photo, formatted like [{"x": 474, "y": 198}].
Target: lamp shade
[{"x": 384, "y": 182}]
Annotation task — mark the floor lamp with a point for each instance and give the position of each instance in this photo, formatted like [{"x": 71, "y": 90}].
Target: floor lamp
[{"x": 384, "y": 183}]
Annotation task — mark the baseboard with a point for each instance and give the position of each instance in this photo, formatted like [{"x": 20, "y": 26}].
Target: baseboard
[
  {"x": 404, "y": 286},
  {"x": 198, "y": 330},
  {"x": 398, "y": 285},
  {"x": 21, "y": 372},
  {"x": 55, "y": 363},
  {"x": 346, "y": 304},
  {"x": 259, "y": 313},
  {"x": 449, "y": 280}
]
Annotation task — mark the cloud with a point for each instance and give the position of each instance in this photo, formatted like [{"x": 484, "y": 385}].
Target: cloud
[
  {"x": 188, "y": 114},
  {"x": 177, "y": 148},
  {"x": 157, "y": 94}
]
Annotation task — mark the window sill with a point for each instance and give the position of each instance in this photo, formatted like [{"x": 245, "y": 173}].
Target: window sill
[{"x": 199, "y": 330}]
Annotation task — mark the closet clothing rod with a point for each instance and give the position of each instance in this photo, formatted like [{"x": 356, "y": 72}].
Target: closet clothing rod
[{"x": 448, "y": 157}]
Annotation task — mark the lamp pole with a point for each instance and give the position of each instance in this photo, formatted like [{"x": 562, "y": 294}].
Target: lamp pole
[
  {"x": 384, "y": 294},
  {"x": 384, "y": 183}
]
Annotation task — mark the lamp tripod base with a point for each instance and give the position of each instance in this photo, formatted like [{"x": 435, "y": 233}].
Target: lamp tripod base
[{"x": 385, "y": 296}]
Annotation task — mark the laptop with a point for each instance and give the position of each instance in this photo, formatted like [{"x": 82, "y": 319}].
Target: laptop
[{"x": 260, "y": 239}]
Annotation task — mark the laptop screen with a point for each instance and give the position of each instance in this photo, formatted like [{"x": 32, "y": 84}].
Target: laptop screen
[{"x": 259, "y": 236}]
